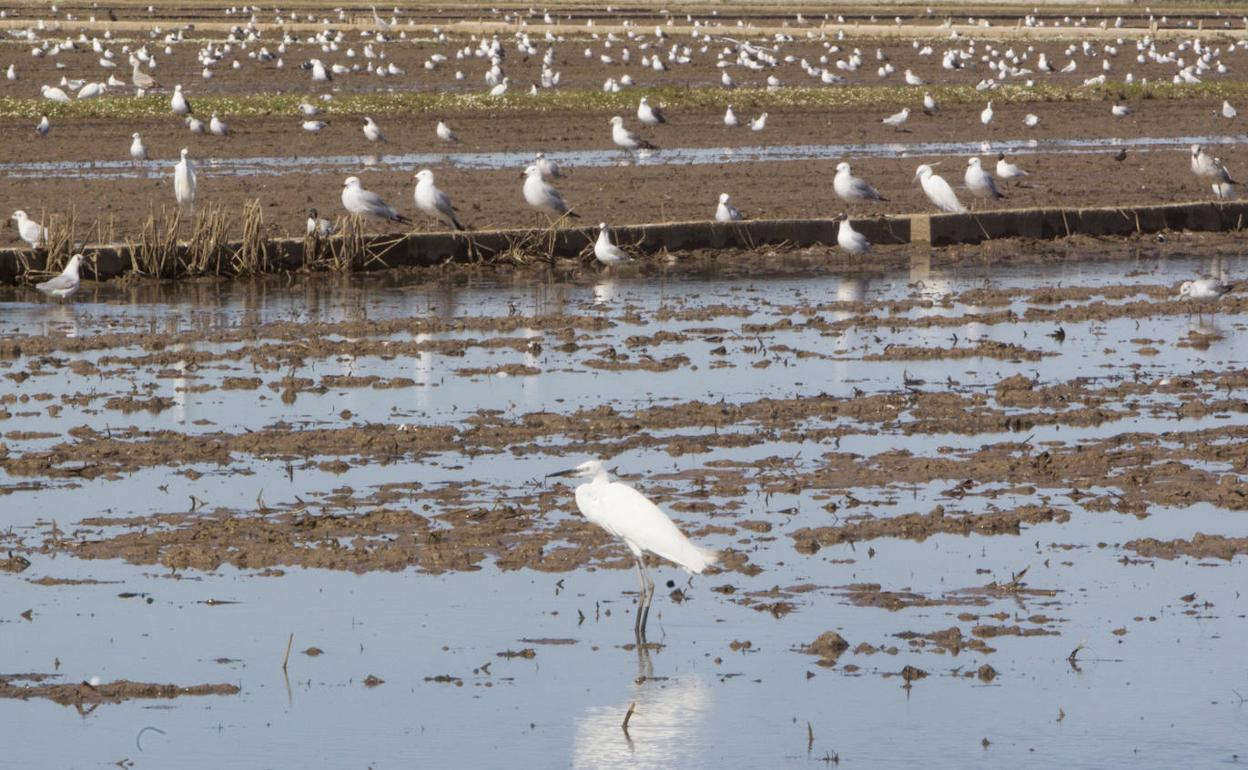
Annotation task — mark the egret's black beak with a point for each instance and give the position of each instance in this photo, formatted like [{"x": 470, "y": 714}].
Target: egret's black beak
[{"x": 556, "y": 474}]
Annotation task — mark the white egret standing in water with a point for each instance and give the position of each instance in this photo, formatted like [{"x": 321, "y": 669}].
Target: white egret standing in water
[{"x": 630, "y": 516}]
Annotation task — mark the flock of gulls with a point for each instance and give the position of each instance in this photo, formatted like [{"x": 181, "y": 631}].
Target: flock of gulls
[{"x": 804, "y": 54}]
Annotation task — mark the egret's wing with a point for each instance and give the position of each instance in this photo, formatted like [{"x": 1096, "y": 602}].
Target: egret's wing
[{"x": 628, "y": 514}]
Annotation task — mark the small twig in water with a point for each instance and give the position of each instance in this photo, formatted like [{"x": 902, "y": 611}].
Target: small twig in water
[
  {"x": 628, "y": 716},
  {"x": 289, "y": 642}
]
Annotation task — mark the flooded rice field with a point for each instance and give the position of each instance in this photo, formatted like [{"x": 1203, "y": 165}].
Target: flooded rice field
[{"x": 984, "y": 515}]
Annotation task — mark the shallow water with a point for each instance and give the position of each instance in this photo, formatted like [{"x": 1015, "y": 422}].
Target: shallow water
[
  {"x": 667, "y": 156},
  {"x": 1161, "y": 694}
]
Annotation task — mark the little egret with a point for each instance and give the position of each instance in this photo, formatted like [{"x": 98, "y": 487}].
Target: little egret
[
  {"x": 938, "y": 190},
  {"x": 629, "y": 515}
]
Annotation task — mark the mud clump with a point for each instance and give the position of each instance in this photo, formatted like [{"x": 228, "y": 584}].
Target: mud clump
[
  {"x": 86, "y": 694},
  {"x": 828, "y": 646},
  {"x": 920, "y": 526},
  {"x": 1201, "y": 546},
  {"x": 1006, "y": 351}
]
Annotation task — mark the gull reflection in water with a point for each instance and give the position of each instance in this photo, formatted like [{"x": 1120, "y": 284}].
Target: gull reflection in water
[
  {"x": 604, "y": 291},
  {"x": 664, "y": 731}
]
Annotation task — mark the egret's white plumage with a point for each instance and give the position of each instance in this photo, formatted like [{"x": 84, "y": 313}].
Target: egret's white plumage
[
  {"x": 184, "y": 181},
  {"x": 628, "y": 515},
  {"x": 938, "y": 190}
]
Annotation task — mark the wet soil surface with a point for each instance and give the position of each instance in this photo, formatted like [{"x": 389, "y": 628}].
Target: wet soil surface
[{"x": 621, "y": 192}]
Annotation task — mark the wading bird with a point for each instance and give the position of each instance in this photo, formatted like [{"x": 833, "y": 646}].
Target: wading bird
[{"x": 629, "y": 515}]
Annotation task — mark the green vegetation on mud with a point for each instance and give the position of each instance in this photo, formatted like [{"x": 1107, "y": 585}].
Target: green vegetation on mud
[{"x": 591, "y": 101}]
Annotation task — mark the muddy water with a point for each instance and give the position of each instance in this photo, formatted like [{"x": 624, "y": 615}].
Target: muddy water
[
  {"x": 1153, "y": 683},
  {"x": 668, "y": 156}
]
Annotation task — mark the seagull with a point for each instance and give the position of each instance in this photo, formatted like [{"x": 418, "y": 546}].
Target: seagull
[
  {"x": 217, "y": 126},
  {"x": 930, "y": 107},
  {"x": 649, "y": 116},
  {"x": 1203, "y": 164},
  {"x": 1031, "y": 120},
  {"x": 979, "y": 181},
  {"x": 725, "y": 211},
  {"x": 730, "y": 118},
  {"x": 357, "y": 200},
  {"x": 629, "y": 515},
  {"x": 445, "y": 133},
  {"x": 850, "y": 239},
  {"x": 178, "y": 102},
  {"x": 938, "y": 190},
  {"x": 319, "y": 73},
  {"x": 1204, "y": 290},
  {"x": 318, "y": 226},
  {"x": 627, "y": 139},
  {"x": 29, "y": 230},
  {"x": 542, "y": 196},
  {"x": 759, "y": 123},
  {"x": 309, "y": 110},
  {"x": 914, "y": 80},
  {"x": 897, "y": 120},
  {"x": 852, "y": 189},
  {"x": 1228, "y": 111},
  {"x": 1007, "y": 170},
  {"x": 43, "y": 126},
  {"x": 550, "y": 169},
  {"x": 985, "y": 117},
  {"x": 313, "y": 126},
  {"x": 372, "y": 132},
  {"x": 184, "y": 182},
  {"x": 195, "y": 125},
  {"x": 1120, "y": 110},
  {"x": 138, "y": 150},
  {"x": 64, "y": 285},
  {"x": 607, "y": 252},
  {"x": 433, "y": 201}
]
